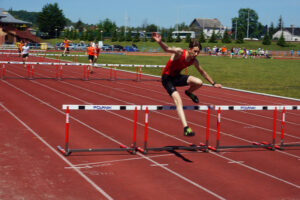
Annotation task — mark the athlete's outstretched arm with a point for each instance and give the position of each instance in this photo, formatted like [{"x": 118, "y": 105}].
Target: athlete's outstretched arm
[
  {"x": 166, "y": 48},
  {"x": 205, "y": 75}
]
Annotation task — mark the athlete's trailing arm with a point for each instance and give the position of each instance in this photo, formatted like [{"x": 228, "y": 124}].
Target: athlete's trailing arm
[{"x": 166, "y": 48}]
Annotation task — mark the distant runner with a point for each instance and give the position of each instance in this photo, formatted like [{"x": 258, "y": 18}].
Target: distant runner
[
  {"x": 91, "y": 56},
  {"x": 25, "y": 53},
  {"x": 66, "y": 44}
]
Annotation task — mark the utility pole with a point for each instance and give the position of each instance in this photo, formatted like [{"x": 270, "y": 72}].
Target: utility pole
[
  {"x": 292, "y": 32},
  {"x": 248, "y": 25},
  {"x": 235, "y": 29}
]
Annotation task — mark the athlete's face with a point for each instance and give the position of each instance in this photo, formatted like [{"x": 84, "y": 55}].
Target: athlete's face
[{"x": 194, "y": 52}]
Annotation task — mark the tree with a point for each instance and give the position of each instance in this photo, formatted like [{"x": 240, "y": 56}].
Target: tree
[
  {"x": 122, "y": 35},
  {"x": 241, "y": 22},
  {"x": 226, "y": 38},
  {"x": 213, "y": 38},
  {"x": 188, "y": 38},
  {"x": 90, "y": 35},
  {"x": 169, "y": 37},
  {"x": 51, "y": 18},
  {"x": 128, "y": 36},
  {"x": 114, "y": 36},
  {"x": 280, "y": 23},
  {"x": 202, "y": 37},
  {"x": 281, "y": 42},
  {"x": 178, "y": 39},
  {"x": 79, "y": 25},
  {"x": 266, "y": 40},
  {"x": 137, "y": 36},
  {"x": 240, "y": 38},
  {"x": 151, "y": 28},
  {"x": 272, "y": 30}
]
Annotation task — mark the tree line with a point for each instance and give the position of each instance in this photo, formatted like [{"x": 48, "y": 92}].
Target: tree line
[{"x": 51, "y": 23}]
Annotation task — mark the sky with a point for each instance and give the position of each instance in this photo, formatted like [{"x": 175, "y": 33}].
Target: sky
[{"x": 164, "y": 13}]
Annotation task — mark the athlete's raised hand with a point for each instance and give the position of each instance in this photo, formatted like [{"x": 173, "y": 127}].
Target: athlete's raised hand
[{"x": 156, "y": 37}]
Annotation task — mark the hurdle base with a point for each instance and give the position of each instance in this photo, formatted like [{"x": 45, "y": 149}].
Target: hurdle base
[
  {"x": 172, "y": 148},
  {"x": 63, "y": 151},
  {"x": 131, "y": 149},
  {"x": 282, "y": 146},
  {"x": 254, "y": 145}
]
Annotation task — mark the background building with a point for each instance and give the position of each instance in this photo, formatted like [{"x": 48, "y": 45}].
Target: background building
[
  {"x": 207, "y": 26},
  {"x": 289, "y": 34},
  {"x": 13, "y": 30}
]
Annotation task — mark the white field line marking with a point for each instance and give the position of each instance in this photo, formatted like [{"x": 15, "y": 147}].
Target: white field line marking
[
  {"x": 259, "y": 171},
  {"x": 57, "y": 153},
  {"x": 254, "y": 169},
  {"x": 159, "y": 165},
  {"x": 229, "y": 135},
  {"x": 127, "y": 159},
  {"x": 236, "y": 162},
  {"x": 95, "y": 130}
]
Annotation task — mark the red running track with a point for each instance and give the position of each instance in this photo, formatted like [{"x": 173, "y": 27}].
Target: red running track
[{"x": 32, "y": 125}]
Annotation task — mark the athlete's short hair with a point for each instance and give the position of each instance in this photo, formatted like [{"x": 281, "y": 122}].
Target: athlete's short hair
[{"x": 195, "y": 43}]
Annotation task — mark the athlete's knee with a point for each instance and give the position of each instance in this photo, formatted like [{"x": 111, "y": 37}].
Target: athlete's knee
[
  {"x": 195, "y": 81},
  {"x": 176, "y": 97}
]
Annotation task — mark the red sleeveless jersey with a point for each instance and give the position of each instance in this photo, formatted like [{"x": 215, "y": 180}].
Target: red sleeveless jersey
[{"x": 174, "y": 67}]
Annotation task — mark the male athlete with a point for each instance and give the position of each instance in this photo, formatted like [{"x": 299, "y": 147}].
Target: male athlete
[
  {"x": 66, "y": 44},
  {"x": 20, "y": 48},
  {"x": 25, "y": 53},
  {"x": 171, "y": 77},
  {"x": 91, "y": 55}
]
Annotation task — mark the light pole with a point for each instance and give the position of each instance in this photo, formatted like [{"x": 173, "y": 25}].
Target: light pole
[
  {"x": 102, "y": 35},
  {"x": 56, "y": 33}
]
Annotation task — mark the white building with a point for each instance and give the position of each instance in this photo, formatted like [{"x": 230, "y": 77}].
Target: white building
[
  {"x": 208, "y": 26},
  {"x": 289, "y": 34}
]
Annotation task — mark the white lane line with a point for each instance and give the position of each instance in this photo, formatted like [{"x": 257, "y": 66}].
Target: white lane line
[
  {"x": 259, "y": 171},
  {"x": 58, "y": 154},
  {"x": 235, "y": 162},
  {"x": 249, "y": 166},
  {"x": 95, "y": 130}
]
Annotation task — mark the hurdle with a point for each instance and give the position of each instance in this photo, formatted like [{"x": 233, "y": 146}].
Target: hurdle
[
  {"x": 191, "y": 147},
  {"x": 283, "y": 118},
  {"x": 67, "y": 151},
  {"x": 267, "y": 145}
]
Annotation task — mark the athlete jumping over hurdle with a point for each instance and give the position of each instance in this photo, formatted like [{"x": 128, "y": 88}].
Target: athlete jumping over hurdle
[{"x": 171, "y": 77}]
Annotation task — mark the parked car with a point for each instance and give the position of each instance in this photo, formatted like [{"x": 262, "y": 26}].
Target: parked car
[
  {"x": 80, "y": 47},
  {"x": 60, "y": 46},
  {"x": 34, "y": 45},
  {"x": 131, "y": 49},
  {"x": 106, "y": 47},
  {"x": 117, "y": 47}
]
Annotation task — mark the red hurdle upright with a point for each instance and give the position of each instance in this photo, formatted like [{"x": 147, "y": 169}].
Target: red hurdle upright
[
  {"x": 272, "y": 145},
  {"x": 67, "y": 151},
  {"x": 145, "y": 149}
]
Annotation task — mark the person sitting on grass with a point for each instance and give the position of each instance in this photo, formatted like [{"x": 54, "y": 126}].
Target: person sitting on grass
[{"x": 171, "y": 77}]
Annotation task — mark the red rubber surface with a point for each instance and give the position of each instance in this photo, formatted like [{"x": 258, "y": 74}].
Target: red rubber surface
[{"x": 32, "y": 125}]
